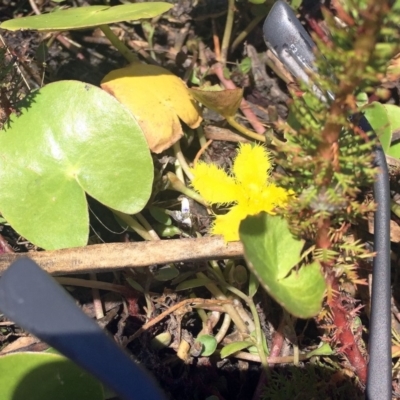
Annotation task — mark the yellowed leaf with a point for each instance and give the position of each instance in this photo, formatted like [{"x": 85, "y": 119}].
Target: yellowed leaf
[
  {"x": 157, "y": 98},
  {"x": 225, "y": 102}
]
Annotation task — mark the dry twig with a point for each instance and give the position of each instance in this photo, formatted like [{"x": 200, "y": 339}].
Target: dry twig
[{"x": 112, "y": 256}]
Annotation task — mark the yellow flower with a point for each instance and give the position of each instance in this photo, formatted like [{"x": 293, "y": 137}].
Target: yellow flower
[{"x": 248, "y": 188}]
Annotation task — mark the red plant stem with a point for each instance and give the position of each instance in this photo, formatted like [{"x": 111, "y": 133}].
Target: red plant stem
[
  {"x": 244, "y": 106},
  {"x": 342, "y": 14},
  {"x": 323, "y": 240},
  {"x": 4, "y": 246},
  {"x": 328, "y": 152},
  {"x": 344, "y": 335},
  {"x": 217, "y": 45},
  {"x": 313, "y": 23},
  {"x": 277, "y": 341}
]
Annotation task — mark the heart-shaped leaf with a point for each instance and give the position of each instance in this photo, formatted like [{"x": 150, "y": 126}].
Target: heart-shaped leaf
[
  {"x": 209, "y": 344},
  {"x": 240, "y": 274},
  {"x": 393, "y": 113},
  {"x": 377, "y": 116},
  {"x": 87, "y": 17},
  {"x": 385, "y": 120},
  {"x": 272, "y": 253},
  {"x": 45, "y": 376},
  {"x": 71, "y": 138},
  {"x": 157, "y": 98}
]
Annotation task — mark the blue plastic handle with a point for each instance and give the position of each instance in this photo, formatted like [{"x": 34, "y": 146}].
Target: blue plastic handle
[{"x": 34, "y": 300}]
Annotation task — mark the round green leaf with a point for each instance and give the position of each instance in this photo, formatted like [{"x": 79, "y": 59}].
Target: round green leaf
[
  {"x": 161, "y": 341},
  {"x": 361, "y": 99},
  {"x": 272, "y": 253},
  {"x": 166, "y": 231},
  {"x": 393, "y": 113},
  {"x": 377, "y": 116},
  {"x": 160, "y": 215},
  {"x": 71, "y": 138},
  {"x": 209, "y": 344},
  {"x": 45, "y": 376},
  {"x": 87, "y": 17},
  {"x": 240, "y": 274}
]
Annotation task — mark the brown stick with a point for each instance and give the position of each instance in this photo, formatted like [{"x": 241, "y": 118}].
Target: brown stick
[
  {"x": 111, "y": 256},
  {"x": 216, "y": 133}
]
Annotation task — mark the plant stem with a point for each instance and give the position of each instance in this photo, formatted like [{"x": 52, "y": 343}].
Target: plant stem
[
  {"x": 259, "y": 334},
  {"x": 262, "y": 134},
  {"x": 142, "y": 220},
  {"x": 175, "y": 184},
  {"x": 181, "y": 158},
  {"x": 202, "y": 314},
  {"x": 192, "y": 302},
  {"x": 272, "y": 360},
  {"x": 120, "y": 46},
  {"x": 201, "y": 151},
  {"x": 344, "y": 335},
  {"x": 34, "y": 6},
  {"x": 217, "y": 271},
  {"x": 253, "y": 23},
  {"x": 133, "y": 223},
  {"x": 201, "y": 136},
  {"x": 179, "y": 171},
  {"x": 244, "y": 106},
  {"x": 224, "y": 328},
  {"x": 228, "y": 31},
  {"x": 244, "y": 131},
  {"x": 92, "y": 284},
  {"x": 217, "y": 45},
  {"x": 328, "y": 152},
  {"x": 228, "y": 308}
]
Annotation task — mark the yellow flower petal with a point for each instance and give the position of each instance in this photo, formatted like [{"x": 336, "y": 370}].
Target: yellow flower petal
[
  {"x": 249, "y": 189},
  {"x": 277, "y": 195},
  {"x": 214, "y": 184},
  {"x": 265, "y": 199},
  {"x": 251, "y": 166},
  {"x": 228, "y": 225}
]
